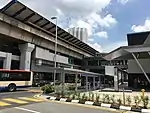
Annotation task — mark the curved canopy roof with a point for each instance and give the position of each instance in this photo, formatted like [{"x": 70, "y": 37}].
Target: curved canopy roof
[{"x": 19, "y": 11}]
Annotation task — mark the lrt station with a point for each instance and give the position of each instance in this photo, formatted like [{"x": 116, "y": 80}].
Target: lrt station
[
  {"x": 137, "y": 54},
  {"x": 28, "y": 41}
]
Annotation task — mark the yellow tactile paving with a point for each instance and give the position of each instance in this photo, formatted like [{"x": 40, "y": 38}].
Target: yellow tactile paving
[
  {"x": 4, "y": 104},
  {"x": 30, "y": 99},
  {"x": 15, "y": 101}
]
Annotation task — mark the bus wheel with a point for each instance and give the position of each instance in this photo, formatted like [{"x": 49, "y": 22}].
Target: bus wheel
[{"x": 12, "y": 87}]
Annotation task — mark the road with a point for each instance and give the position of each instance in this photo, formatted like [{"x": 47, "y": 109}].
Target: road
[
  {"x": 52, "y": 107},
  {"x": 23, "y": 102}
]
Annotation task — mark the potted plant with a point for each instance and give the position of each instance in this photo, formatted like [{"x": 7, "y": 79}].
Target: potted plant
[
  {"x": 97, "y": 101},
  {"x": 119, "y": 101},
  {"x": 128, "y": 99},
  {"x": 107, "y": 98},
  {"x": 112, "y": 98},
  {"x": 104, "y": 98},
  {"x": 145, "y": 100},
  {"x": 93, "y": 97},
  {"x": 83, "y": 99},
  {"x": 137, "y": 101}
]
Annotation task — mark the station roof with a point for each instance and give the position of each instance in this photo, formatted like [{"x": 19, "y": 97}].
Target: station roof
[
  {"x": 19, "y": 11},
  {"x": 124, "y": 52}
]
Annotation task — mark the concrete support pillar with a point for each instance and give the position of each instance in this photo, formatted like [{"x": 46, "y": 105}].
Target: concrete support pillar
[
  {"x": 94, "y": 83},
  {"x": 7, "y": 61},
  {"x": 99, "y": 81},
  {"x": 76, "y": 82},
  {"x": 62, "y": 81},
  {"x": 25, "y": 58},
  {"x": 86, "y": 78},
  {"x": 116, "y": 87}
]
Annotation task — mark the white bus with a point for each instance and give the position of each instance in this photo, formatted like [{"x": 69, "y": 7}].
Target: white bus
[{"x": 13, "y": 79}]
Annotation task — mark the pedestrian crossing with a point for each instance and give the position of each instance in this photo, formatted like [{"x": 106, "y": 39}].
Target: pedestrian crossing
[{"x": 8, "y": 102}]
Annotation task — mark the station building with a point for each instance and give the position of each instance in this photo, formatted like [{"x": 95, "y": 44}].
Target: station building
[
  {"x": 137, "y": 54},
  {"x": 27, "y": 42}
]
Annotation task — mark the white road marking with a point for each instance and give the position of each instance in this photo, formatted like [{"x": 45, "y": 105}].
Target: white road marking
[{"x": 26, "y": 110}]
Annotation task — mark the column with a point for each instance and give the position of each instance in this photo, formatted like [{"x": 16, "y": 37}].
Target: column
[
  {"x": 86, "y": 78},
  {"x": 116, "y": 80},
  {"x": 7, "y": 61},
  {"x": 76, "y": 82},
  {"x": 94, "y": 83},
  {"x": 62, "y": 82},
  {"x": 99, "y": 81},
  {"x": 25, "y": 58}
]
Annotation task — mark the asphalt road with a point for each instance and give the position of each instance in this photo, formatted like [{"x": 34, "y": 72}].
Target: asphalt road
[
  {"x": 20, "y": 93},
  {"x": 52, "y": 107}
]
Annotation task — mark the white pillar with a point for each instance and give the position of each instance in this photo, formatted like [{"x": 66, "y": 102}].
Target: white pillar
[
  {"x": 94, "y": 83},
  {"x": 7, "y": 61},
  {"x": 25, "y": 58}
]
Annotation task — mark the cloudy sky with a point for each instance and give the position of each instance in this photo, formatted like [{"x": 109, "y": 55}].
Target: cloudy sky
[{"x": 107, "y": 21}]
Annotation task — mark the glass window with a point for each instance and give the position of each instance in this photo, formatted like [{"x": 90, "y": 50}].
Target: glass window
[{"x": 14, "y": 76}]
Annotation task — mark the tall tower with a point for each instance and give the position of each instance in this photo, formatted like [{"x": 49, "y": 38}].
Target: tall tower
[{"x": 80, "y": 33}]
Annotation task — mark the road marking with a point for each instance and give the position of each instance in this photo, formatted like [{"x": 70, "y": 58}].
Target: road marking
[
  {"x": 15, "y": 101},
  {"x": 26, "y": 110},
  {"x": 4, "y": 104},
  {"x": 30, "y": 99}
]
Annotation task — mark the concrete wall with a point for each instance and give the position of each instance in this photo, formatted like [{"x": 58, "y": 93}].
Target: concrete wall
[
  {"x": 134, "y": 68},
  {"x": 44, "y": 54}
]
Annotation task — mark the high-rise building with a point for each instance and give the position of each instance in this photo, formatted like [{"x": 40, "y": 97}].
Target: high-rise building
[{"x": 80, "y": 33}]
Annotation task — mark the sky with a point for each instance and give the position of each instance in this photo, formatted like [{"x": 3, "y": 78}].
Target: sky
[{"x": 107, "y": 21}]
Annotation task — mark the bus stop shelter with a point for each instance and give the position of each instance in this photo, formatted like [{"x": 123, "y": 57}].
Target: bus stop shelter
[{"x": 135, "y": 52}]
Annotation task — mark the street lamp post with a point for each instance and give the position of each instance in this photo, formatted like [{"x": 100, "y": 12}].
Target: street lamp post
[{"x": 55, "y": 49}]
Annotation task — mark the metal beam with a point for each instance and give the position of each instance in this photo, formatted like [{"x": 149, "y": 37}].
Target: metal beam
[
  {"x": 18, "y": 12},
  {"x": 51, "y": 28},
  {"x": 38, "y": 20},
  {"x": 27, "y": 18},
  {"x": 140, "y": 67},
  {"x": 45, "y": 24},
  {"x": 62, "y": 32}
]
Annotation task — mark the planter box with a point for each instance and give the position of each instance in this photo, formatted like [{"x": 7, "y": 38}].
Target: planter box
[
  {"x": 97, "y": 104},
  {"x": 115, "y": 106},
  {"x": 57, "y": 98},
  {"x": 82, "y": 101},
  {"x": 68, "y": 100},
  {"x": 133, "y": 108}
]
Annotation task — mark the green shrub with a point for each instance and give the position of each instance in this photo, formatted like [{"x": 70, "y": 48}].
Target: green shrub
[
  {"x": 71, "y": 87},
  {"x": 47, "y": 89},
  {"x": 97, "y": 98},
  {"x": 137, "y": 100},
  {"x": 119, "y": 101},
  {"x": 78, "y": 96},
  {"x": 107, "y": 98},
  {"x": 128, "y": 99},
  {"x": 83, "y": 96},
  {"x": 92, "y": 96},
  {"x": 112, "y": 98},
  {"x": 145, "y": 100},
  {"x": 104, "y": 98}
]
